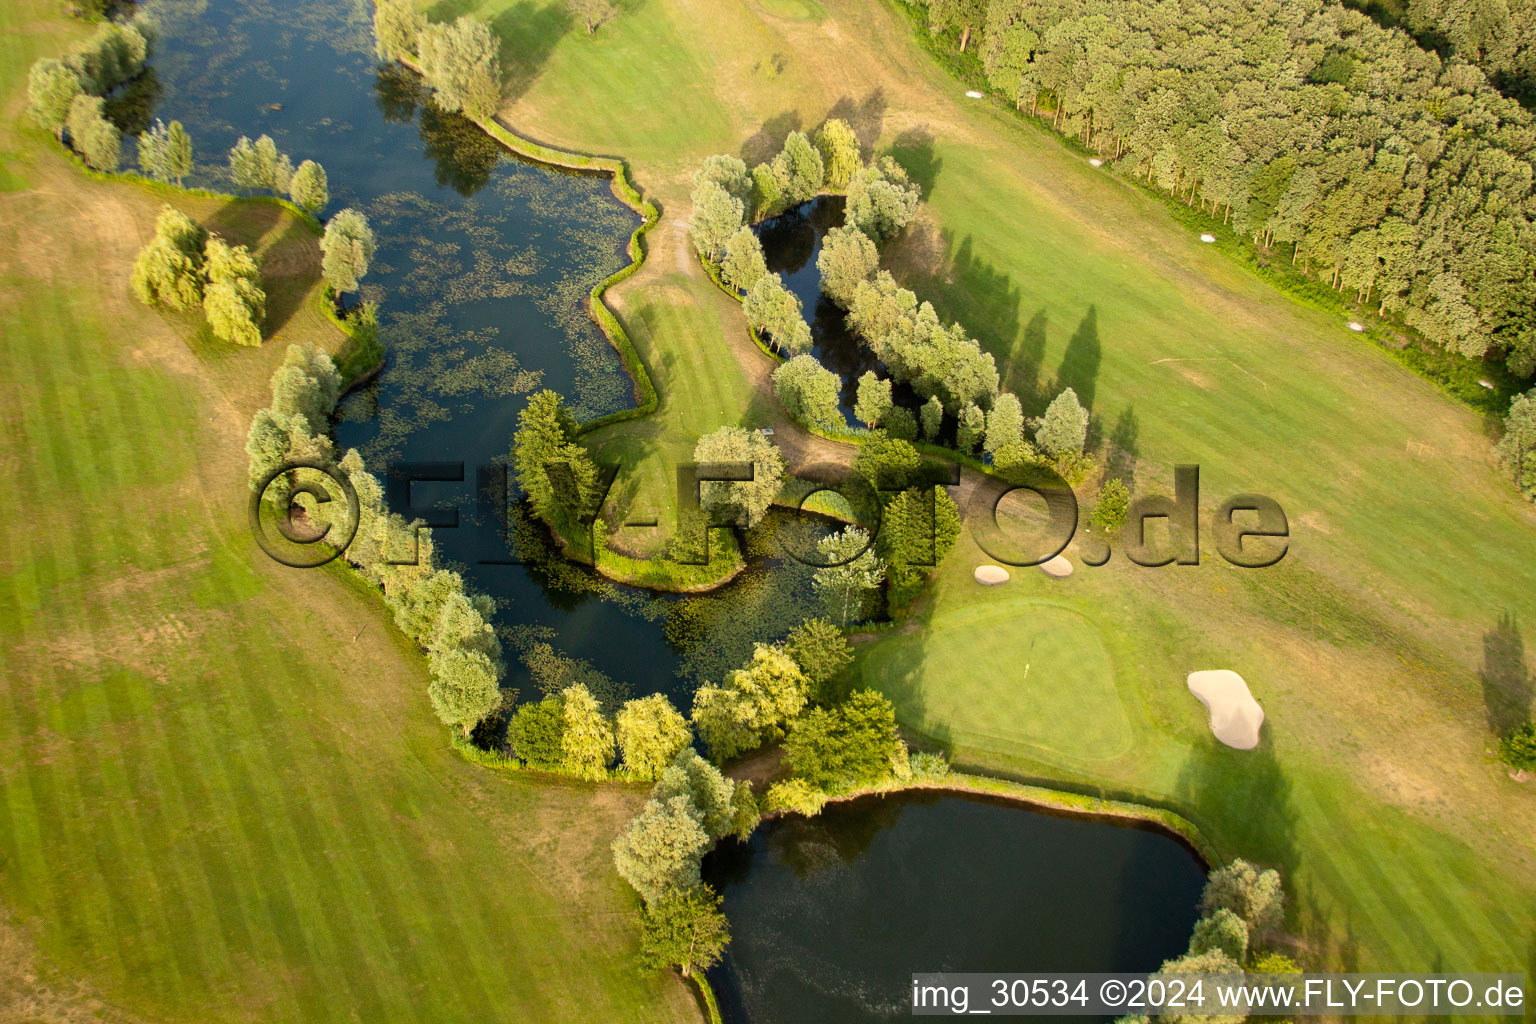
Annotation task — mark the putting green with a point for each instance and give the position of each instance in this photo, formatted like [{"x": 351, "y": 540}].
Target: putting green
[{"x": 1020, "y": 672}]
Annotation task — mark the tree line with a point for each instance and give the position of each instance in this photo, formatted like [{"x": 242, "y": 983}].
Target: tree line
[
  {"x": 459, "y": 59},
  {"x": 1398, "y": 177},
  {"x": 832, "y": 745}
]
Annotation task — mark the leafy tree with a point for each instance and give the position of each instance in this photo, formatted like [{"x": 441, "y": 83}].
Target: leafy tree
[
  {"x": 650, "y": 734},
  {"x": 1518, "y": 749},
  {"x": 774, "y": 310},
  {"x": 717, "y": 215},
  {"x": 971, "y": 428},
  {"x": 397, "y": 27},
  {"x": 308, "y": 385},
  {"x": 101, "y": 145},
  {"x": 745, "y": 811},
  {"x": 260, "y": 165},
  {"x": 233, "y": 300},
  {"x": 965, "y": 15},
  {"x": 684, "y": 930},
  {"x": 659, "y": 853},
  {"x": 51, "y": 90},
  {"x": 753, "y": 705},
  {"x": 1005, "y": 422},
  {"x": 809, "y": 391},
  {"x": 1253, "y": 895},
  {"x": 874, "y": 400},
  {"x": 900, "y": 423},
  {"x": 821, "y": 651},
  {"x": 851, "y": 745},
  {"x": 1064, "y": 428},
  {"x": 459, "y": 60},
  {"x": 914, "y": 537},
  {"x": 586, "y": 742},
  {"x": 729, "y": 173},
  {"x": 932, "y": 417},
  {"x": 881, "y": 200},
  {"x": 853, "y": 570},
  {"x": 169, "y": 270},
  {"x": 839, "y": 149},
  {"x": 767, "y": 192},
  {"x": 113, "y": 55},
  {"x": 707, "y": 790},
  {"x": 346, "y": 250},
  {"x": 1212, "y": 961},
  {"x": 743, "y": 502},
  {"x": 1516, "y": 450},
  {"x": 799, "y": 169},
  {"x": 847, "y": 259},
  {"x": 537, "y": 731},
  {"x": 1223, "y": 931},
  {"x": 1112, "y": 507},
  {"x": 309, "y": 189},
  {"x": 165, "y": 152},
  {"x": 888, "y": 463},
  {"x": 465, "y": 687},
  {"x": 545, "y": 439},
  {"x": 743, "y": 265},
  {"x": 417, "y": 601}
]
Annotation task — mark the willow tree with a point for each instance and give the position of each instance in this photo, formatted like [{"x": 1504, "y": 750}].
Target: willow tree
[
  {"x": 233, "y": 300},
  {"x": 309, "y": 189},
  {"x": 459, "y": 60},
  {"x": 346, "y": 250}
]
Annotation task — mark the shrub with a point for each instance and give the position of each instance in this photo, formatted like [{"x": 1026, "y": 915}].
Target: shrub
[
  {"x": 1112, "y": 506},
  {"x": 1518, "y": 749},
  {"x": 1223, "y": 931},
  {"x": 929, "y": 766},
  {"x": 1253, "y": 895},
  {"x": 900, "y": 423},
  {"x": 794, "y": 795}
]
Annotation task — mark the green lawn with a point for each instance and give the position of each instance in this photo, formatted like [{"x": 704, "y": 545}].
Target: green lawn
[
  {"x": 1374, "y": 646},
  {"x": 224, "y": 794},
  {"x": 1021, "y": 672}
]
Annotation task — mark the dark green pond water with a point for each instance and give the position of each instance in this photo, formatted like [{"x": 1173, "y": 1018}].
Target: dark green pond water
[
  {"x": 482, "y": 265},
  {"x": 831, "y": 916},
  {"x": 791, "y": 243}
]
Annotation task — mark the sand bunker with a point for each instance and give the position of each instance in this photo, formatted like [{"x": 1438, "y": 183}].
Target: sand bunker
[
  {"x": 1207, "y": 238},
  {"x": 1235, "y": 715},
  {"x": 991, "y": 575},
  {"x": 1058, "y": 567}
]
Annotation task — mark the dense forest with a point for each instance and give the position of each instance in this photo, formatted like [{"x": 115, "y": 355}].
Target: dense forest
[
  {"x": 1498, "y": 36},
  {"x": 1397, "y": 176}
]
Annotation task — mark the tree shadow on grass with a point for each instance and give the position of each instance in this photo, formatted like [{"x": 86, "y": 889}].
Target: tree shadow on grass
[
  {"x": 1507, "y": 682},
  {"x": 287, "y": 275},
  {"x": 1079, "y": 368},
  {"x": 764, "y": 144},
  {"x": 1124, "y": 448},
  {"x": 866, "y": 117},
  {"x": 1021, "y": 371},
  {"x": 529, "y": 33},
  {"x": 913, "y": 149}
]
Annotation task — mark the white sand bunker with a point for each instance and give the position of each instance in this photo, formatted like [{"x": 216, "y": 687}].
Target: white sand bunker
[
  {"x": 1235, "y": 715},
  {"x": 1207, "y": 238},
  {"x": 1058, "y": 567},
  {"x": 1356, "y": 326},
  {"x": 1095, "y": 162},
  {"x": 991, "y": 575}
]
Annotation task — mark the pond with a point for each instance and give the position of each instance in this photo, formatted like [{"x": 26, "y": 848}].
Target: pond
[
  {"x": 791, "y": 242},
  {"x": 483, "y": 264},
  {"x": 831, "y": 916}
]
